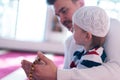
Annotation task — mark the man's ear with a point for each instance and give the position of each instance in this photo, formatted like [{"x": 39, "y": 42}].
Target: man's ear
[{"x": 81, "y": 2}]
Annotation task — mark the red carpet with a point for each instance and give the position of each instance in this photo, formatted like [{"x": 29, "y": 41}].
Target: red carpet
[{"x": 10, "y": 61}]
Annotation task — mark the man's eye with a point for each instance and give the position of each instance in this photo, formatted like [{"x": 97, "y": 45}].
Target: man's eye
[{"x": 64, "y": 11}]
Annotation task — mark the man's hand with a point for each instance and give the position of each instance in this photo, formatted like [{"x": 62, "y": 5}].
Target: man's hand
[{"x": 46, "y": 71}]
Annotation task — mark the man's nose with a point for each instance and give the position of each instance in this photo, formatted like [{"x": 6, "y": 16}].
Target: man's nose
[
  {"x": 72, "y": 29},
  {"x": 62, "y": 18}
]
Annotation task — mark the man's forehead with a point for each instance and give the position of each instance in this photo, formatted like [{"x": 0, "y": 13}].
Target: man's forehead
[{"x": 61, "y": 4}]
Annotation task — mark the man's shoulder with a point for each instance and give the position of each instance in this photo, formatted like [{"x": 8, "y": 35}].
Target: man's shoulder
[
  {"x": 112, "y": 42},
  {"x": 114, "y": 20},
  {"x": 69, "y": 39},
  {"x": 114, "y": 25}
]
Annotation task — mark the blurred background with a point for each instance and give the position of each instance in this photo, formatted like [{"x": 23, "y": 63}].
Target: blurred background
[{"x": 31, "y": 25}]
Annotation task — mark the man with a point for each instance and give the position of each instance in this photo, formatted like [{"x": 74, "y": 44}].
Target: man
[
  {"x": 108, "y": 71},
  {"x": 64, "y": 10}
]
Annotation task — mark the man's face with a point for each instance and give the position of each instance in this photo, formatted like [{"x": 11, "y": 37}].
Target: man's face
[{"x": 64, "y": 9}]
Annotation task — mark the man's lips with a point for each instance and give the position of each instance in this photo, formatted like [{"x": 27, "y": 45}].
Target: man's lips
[{"x": 68, "y": 25}]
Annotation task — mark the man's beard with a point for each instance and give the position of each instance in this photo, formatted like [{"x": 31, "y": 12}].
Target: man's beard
[{"x": 68, "y": 24}]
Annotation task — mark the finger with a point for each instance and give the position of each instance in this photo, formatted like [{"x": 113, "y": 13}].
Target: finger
[
  {"x": 44, "y": 58},
  {"x": 26, "y": 65}
]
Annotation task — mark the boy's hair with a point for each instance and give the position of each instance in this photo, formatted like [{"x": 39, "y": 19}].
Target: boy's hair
[{"x": 97, "y": 41}]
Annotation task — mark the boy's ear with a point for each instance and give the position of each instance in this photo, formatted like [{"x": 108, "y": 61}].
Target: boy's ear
[{"x": 88, "y": 36}]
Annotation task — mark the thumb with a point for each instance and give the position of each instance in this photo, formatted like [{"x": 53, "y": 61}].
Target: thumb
[{"x": 44, "y": 58}]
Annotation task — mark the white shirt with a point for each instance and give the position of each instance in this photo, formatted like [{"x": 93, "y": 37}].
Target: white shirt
[{"x": 107, "y": 71}]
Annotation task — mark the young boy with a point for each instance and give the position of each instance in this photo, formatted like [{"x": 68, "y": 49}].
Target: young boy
[{"x": 91, "y": 25}]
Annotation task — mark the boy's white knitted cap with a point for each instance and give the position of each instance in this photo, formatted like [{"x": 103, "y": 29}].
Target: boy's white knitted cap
[{"x": 92, "y": 19}]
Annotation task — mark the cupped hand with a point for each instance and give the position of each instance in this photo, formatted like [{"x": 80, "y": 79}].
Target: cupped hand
[{"x": 46, "y": 71}]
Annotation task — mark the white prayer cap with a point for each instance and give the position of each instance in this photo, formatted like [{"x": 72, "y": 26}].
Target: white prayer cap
[{"x": 92, "y": 19}]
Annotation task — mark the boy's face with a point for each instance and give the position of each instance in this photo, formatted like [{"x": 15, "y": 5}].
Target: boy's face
[
  {"x": 79, "y": 35},
  {"x": 64, "y": 9}
]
